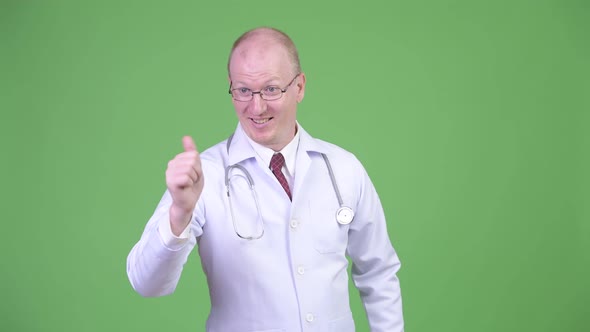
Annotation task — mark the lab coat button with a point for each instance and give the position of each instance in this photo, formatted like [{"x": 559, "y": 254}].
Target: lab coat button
[
  {"x": 301, "y": 270},
  {"x": 294, "y": 223},
  {"x": 309, "y": 317}
]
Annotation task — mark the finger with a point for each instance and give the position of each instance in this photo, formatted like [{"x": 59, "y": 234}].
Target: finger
[
  {"x": 189, "y": 144},
  {"x": 183, "y": 170},
  {"x": 180, "y": 180}
]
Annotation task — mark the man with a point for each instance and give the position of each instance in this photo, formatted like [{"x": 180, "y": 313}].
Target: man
[{"x": 274, "y": 255}]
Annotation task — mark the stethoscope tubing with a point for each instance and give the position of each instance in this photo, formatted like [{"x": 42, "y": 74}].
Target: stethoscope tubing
[
  {"x": 253, "y": 191},
  {"x": 344, "y": 214}
]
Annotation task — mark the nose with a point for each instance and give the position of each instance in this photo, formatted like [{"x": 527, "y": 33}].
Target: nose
[{"x": 257, "y": 105}]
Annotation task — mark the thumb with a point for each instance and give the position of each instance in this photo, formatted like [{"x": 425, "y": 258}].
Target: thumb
[{"x": 188, "y": 143}]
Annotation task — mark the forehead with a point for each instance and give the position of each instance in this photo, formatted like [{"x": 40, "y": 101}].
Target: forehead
[{"x": 259, "y": 59}]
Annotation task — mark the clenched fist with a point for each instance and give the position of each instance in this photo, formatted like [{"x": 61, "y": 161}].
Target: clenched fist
[{"x": 184, "y": 179}]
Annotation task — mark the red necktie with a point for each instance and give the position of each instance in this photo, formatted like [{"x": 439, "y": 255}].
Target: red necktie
[{"x": 276, "y": 164}]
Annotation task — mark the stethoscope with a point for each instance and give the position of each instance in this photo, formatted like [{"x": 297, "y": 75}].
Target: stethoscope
[{"x": 344, "y": 214}]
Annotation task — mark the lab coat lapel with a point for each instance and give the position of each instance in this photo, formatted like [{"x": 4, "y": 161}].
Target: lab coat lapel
[
  {"x": 308, "y": 146},
  {"x": 239, "y": 147}
]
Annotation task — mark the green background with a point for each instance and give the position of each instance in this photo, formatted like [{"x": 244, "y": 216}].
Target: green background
[{"x": 472, "y": 118}]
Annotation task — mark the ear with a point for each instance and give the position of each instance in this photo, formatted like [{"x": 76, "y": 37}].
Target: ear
[{"x": 300, "y": 87}]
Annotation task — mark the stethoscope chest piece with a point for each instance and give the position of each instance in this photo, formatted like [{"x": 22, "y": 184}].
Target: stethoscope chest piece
[{"x": 344, "y": 215}]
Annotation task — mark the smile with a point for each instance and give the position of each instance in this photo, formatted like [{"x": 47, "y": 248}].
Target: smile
[{"x": 260, "y": 121}]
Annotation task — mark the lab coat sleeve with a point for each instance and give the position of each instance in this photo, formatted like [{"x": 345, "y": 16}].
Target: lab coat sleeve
[
  {"x": 155, "y": 263},
  {"x": 375, "y": 262}
]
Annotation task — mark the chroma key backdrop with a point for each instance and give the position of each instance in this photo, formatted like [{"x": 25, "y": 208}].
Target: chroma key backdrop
[{"x": 471, "y": 117}]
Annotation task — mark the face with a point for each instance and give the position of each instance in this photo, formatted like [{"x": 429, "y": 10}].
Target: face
[{"x": 256, "y": 64}]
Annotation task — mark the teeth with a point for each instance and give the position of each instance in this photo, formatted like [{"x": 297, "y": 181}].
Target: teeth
[{"x": 260, "y": 121}]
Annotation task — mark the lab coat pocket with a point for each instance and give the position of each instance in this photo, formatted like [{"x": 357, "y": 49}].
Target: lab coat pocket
[
  {"x": 330, "y": 237},
  {"x": 333, "y": 241},
  {"x": 342, "y": 324}
]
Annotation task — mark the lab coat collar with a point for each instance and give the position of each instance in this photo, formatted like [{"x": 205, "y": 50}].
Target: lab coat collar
[
  {"x": 240, "y": 149},
  {"x": 308, "y": 143}
]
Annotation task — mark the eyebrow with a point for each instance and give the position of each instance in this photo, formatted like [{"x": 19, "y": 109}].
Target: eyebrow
[{"x": 272, "y": 81}]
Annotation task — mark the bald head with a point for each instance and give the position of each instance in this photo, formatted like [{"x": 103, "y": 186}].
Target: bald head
[{"x": 266, "y": 37}]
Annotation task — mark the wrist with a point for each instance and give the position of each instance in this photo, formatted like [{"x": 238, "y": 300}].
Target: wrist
[{"x": 179, "y": 219}]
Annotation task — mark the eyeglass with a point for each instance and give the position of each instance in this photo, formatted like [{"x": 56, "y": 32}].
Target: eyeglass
[{"x": 271, "y": 92}]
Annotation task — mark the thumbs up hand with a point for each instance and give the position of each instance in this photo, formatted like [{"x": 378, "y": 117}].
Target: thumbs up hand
[{"x": 184, "y": 179}]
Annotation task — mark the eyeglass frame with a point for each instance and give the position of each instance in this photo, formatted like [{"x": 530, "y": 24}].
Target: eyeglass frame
[{"x": 259, "y": 92}]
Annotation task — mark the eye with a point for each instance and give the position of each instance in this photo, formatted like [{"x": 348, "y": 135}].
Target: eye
[
  {"x": 243, "y": 91},
  {"x": 271, "y": 90}
]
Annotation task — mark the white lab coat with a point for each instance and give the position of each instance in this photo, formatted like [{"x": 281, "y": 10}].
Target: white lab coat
[{"x": 295, "y": 277}]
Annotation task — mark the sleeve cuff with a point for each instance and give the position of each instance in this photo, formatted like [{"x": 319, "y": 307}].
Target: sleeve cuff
[{"x": 170, "y": 240}]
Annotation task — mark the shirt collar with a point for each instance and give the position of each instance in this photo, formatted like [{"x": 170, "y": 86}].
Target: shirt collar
[
  {"x": 239, "y": 147},
  {"x": 289, "y": 152}
]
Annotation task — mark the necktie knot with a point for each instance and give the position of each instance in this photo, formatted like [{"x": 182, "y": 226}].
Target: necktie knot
[{"x": 276, "y": 164}]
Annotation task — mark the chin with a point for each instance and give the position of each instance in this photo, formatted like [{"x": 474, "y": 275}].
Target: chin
[
  {"x": 264, "y": 141},
  {"x": 258, "y": 136}
]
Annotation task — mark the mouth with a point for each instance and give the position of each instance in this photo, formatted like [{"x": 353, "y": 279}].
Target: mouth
[{"x": 260, "y": 121}]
